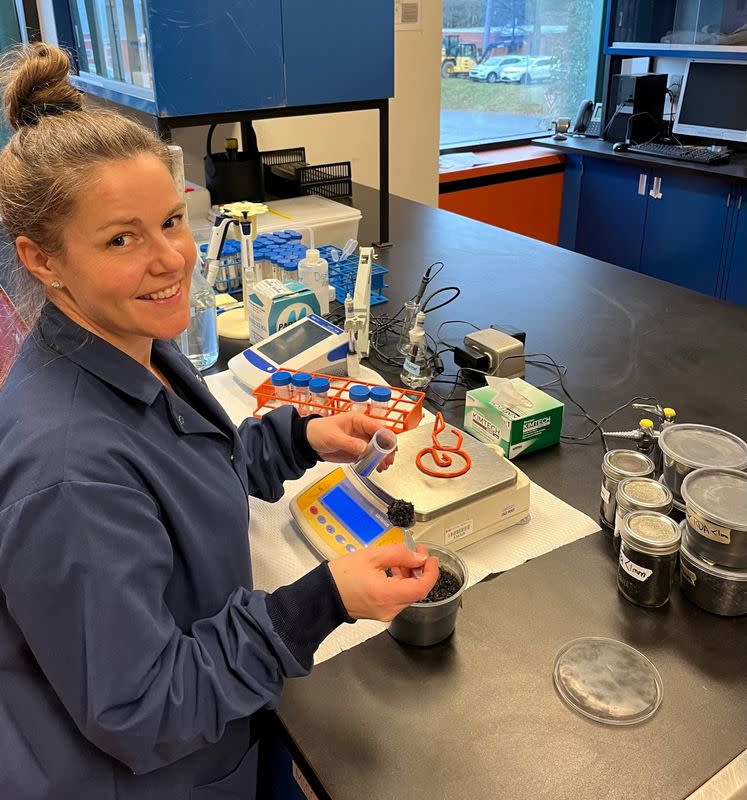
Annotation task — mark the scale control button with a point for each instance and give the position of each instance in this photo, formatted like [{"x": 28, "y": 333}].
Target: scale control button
[
  {"x": 330, "y": 528},
  {"x": 339, "y": 537},
  {"x": 350, "y": 548},
  {"x": 314, "y": 510},
  {"x": 321, "y": 520}
]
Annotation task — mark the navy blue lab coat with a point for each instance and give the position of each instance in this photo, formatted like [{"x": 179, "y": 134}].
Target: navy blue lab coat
[{"x": 133, "y": 649}]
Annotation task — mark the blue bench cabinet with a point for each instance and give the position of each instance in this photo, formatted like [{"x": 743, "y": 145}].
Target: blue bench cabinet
[
  {"x": 734, "y": 286},
  {"x": 671, "y": 224},
  {"x": 230, "y": 55}
]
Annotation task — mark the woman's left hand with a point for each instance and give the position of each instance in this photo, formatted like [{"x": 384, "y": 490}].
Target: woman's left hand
[{"x": 343, "y": 437}]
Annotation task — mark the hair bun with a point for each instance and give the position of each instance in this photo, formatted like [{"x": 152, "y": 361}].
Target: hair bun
[{"x": 37, "y": 83}]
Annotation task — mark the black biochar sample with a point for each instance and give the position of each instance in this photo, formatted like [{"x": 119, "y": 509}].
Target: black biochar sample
[
  {"x": 446, "y": 585},
  {"x": 401, "y": 514}
]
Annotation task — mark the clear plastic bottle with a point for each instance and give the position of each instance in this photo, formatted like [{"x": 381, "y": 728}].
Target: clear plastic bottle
[
  {"x": 319, "y": 388},
  {"x": 313, "y": 272},
  {"x": 417, "y": 371},
  {"x": 200, "y": 341},
  {"x": 359, "y": 398},
  {"x": 301, "y": 394},
  {"x": 281, "y": 383},
  {"x": 380, "y": 398}
]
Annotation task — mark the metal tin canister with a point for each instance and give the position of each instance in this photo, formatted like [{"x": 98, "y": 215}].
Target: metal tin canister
[
  {"x": 688, "y": 446},
  {"x": 640, "y": 494},
  {"x": 720, "y": 590},
  {"x": 716, "y": 514},
  {"x": 649, "y": 546},
  {"x": 616, "y": 465}
]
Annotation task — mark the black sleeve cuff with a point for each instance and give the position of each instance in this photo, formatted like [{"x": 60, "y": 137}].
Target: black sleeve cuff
[
  {"x": 304, "y": 450},
  {"x": 304, "y": 613}
]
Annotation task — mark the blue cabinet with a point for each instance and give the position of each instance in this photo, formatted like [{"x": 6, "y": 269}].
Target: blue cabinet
[
  {"x": 182, "y": 58},
  {"x": 735, "y": 277},
  {"x": 670, "y": 224},
  {"x": 611, "y": 212},
  {"x": 686, "y": 225}
]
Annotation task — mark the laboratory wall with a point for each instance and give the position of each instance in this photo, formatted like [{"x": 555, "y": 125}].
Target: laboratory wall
[{"x": 413, "y": 128}]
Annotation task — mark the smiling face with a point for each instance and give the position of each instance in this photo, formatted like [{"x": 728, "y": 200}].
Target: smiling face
[{"x": 127, "y": 257}]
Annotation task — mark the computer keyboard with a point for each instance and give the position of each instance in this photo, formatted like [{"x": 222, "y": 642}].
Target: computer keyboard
[{"x": 702, "y": 155}]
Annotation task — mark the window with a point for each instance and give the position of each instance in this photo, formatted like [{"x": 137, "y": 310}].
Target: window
[{"x": 509, "y": 67}]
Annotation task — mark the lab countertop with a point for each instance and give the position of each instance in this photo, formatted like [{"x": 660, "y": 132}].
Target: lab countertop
[
  {"x": 734, "y": 169},
  {"x": 477, "y": 716}
]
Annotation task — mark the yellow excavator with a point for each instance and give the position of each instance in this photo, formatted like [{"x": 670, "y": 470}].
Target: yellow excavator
[{"x": 457, "y": 57}]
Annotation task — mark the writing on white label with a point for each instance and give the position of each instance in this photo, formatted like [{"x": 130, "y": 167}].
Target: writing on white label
[
  {"x": 713, "y": 532},
  {"x": 605, "y": 494},
  {"x": 459, "y": 531},
  {"x": 639, "y": 573},
  {"x": 688, "y": 574}
]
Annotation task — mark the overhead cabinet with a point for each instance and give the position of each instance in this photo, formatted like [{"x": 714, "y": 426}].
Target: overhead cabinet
[
  {"x": 177, "y": 58},
  {"x": 696, "y": 28}
]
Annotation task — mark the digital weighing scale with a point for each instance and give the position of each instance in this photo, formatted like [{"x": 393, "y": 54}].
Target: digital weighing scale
[{"x": 343, "y": 512}]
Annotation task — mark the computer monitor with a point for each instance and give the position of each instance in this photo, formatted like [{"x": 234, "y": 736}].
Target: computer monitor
[{"x": 713, "y": 101}]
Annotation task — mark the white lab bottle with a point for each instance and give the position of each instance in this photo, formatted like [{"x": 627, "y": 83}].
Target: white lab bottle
[
  {"x": 200, "y": 341},
  {"x": 313, "y": 272}
]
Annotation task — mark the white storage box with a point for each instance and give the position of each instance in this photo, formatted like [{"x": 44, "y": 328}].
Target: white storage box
[{"x": 318, "y": 220}]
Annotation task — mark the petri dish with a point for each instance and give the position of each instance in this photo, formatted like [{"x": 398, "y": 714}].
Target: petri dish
[{"x": 607, "y": 681}]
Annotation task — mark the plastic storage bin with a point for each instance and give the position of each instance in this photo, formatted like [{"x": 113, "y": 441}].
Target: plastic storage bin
[{"x": 319, "y": 220}]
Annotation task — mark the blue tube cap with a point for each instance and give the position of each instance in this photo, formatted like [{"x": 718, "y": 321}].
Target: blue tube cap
[
  {"x": 281, "y": 378},
  {"x": 319, "y": 385},
  {"x": 358, "y": 393},
  {"x": 381, "y": 394},
  {"x": 301, "y": 379}
]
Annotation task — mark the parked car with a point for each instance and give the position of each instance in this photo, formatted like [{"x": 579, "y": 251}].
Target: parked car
[
  {"x": 490, "y": 69},
  {"x": 529, "y": 70}
]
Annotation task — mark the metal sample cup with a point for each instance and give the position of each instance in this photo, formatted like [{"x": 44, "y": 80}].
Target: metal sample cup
[{"x": 424, "y": 624}]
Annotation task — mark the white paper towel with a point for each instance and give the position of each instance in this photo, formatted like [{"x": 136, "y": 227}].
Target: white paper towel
[{"x": 280, "y": 554}]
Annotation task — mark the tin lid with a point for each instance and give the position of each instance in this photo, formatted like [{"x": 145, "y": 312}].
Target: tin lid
[
  {"x": 689, "y": 551},
  {"x": 618, "y": 464},
  {"x": 644, "y": 493},
  {"x": 703, "y": 446},
  {"x": 651, "y": 532},
  {"x": 607, "y": 681},
  {"x": 719, "y": 495}
]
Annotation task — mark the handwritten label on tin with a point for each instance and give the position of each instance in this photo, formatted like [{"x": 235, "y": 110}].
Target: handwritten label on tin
[
  {"x": 688, "y": 574},
  {"x": 641, "y": 574},
  {"x": 605, "y": 494},
  {"x": 713, "y": 532},
  {"x": 458, "y": 531}
]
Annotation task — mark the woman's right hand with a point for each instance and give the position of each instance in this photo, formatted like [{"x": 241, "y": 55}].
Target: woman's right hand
[{"x": 369, "y": 593}]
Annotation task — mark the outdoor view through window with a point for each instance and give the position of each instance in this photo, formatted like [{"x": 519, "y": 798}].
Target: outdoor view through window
[{"x": 509, "y": 67}]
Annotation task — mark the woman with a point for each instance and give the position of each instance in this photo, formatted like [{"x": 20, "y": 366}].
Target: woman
[{"x": 133, "y": 650}]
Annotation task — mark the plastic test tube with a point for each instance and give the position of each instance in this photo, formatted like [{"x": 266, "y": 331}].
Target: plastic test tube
[
  {"x": 281, "y": 383},
  {"x": 380, "y": 398},
  {"x": 359, "y": 398},
  {"x": 319, "y": 388},
  {"x": 301, "y": 394},
  {"x": 382, "y": 443}
]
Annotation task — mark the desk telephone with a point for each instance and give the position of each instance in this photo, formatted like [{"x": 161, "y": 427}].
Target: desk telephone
[{"x": 588, "y": 119}]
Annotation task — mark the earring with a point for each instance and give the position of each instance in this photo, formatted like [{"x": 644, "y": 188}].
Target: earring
[{"x": 56, "y": 285}]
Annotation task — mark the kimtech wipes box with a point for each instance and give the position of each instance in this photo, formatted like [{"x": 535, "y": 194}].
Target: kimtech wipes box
[{"x": 517, "y": 416}]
